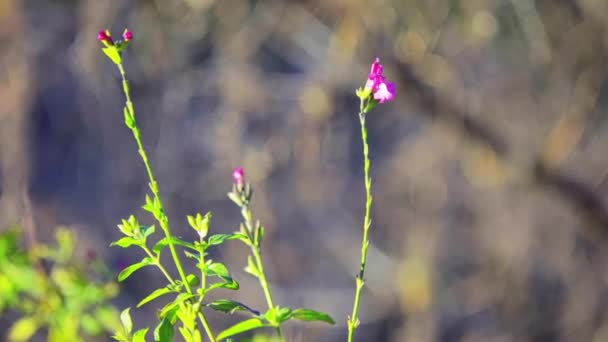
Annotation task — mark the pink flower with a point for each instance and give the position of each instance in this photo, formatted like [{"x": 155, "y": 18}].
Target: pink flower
[
  {"x": 104, "y": 37},
  {"x": 127, "y": 35},
  {"x": 385, "y": 92},
  {"x": 238, "y": 175},
  {"x": 376, "y": 82}
]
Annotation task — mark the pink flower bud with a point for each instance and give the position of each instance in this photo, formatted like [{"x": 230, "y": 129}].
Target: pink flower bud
[
  {"x": 104, "y": 37},
  {"x": 127, "y": 35},
  {"x": 238, "y": 175}
]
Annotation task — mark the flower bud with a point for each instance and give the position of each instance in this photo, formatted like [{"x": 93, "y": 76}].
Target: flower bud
[
  {"x": 127, "y": 35},
  {"x": 238, "y": 175},
  {"x": 105, "y": 37}
]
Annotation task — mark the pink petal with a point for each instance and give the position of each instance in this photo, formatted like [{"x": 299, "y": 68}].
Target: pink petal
[
  {"x": 376, "y": 69},
  {"x": 385, "y": 92}
]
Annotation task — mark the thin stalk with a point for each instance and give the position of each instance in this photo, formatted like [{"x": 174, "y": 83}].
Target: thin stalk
[
  {"x": 159, "y": 265},
  {"x": 257, "y": 255},
  {"x": 164, "y": 220},
  {"x": 353, "y": 321},
  {"x": 205, "y": 324}
]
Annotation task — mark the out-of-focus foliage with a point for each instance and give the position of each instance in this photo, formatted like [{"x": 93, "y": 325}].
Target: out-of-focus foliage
[{"x": 52, "y": 292}]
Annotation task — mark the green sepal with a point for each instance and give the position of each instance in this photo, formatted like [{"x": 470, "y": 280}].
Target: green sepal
[{"x": 113, "y": 54}]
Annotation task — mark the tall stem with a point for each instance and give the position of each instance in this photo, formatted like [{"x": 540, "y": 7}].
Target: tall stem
[
  {"x": 353, "y": 321},
  {"x": 163, "y": 220}
]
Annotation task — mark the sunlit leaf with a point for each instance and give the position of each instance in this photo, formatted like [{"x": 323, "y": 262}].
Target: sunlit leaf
[
  {"x": 125, "y": 242},
  {"x": 124, "y": 274},
  {"x": 164, "y": 331},
  {"x": 152, "y": 296},
  {"x": 140, "y": 335},
  {"x": 125, "y": 319},
  {"x": 250, "y": 324},
  {"x": 311, "y": 315}
]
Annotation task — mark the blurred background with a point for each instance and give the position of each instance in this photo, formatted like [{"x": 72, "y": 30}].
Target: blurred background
[{"x": 490, "y": 172}]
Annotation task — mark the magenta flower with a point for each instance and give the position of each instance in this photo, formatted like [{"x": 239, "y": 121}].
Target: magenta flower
[
  {"x": 104, "y": 37},
  {"x": 376, "y": 82},
  {"x": 238, "y": 175},
  {"x": 127, "y": 35}
]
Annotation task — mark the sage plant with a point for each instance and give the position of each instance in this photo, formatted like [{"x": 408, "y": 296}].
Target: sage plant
[
  {"x": 190, "y": 290},
  {"x": 377, "y": 90}
]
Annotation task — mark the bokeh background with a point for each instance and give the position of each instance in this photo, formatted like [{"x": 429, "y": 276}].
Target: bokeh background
[{"x": 490, "y": 168}]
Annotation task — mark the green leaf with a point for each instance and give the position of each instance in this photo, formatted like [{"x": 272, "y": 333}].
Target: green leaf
[
  {"x": 192, "y": 221},
  {"x": 147, "y": 231},
  {"x": 235, "y": 198},
  {"x": 182, "y": 297},
  {"x": 150, "y": 206},
  {"x": 164, "y": 242},
  {"x": 157, "y": 293},
  {"x": 218, "y": 239},
  {"x": 252, "y": 268},
  {"x": 164, "y": 331},
  {"x": 140, "y": 335},
  {"x": 125, "y": 319},
  {"x": 311, "y": 315},
  {"x": 193, "y": 280},
  {"x": 23, "y": 329},
  {"x": 229, "y": 306},
  {"x": 124, "y": 274},
  {"x": 220, "y": 270},
  {"x": 241, "y": 327},
  {"x": 282, "y": 314},
  {"x": 129, "y": 118},
  {"x": 229, "y": 285},
  {"x": 126, "y": 242}
]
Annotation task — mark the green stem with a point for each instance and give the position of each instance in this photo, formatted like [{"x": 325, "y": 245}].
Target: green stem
[
  {"x": 159, "y": 265},
  {"x": 257, "y": 255},
  {"x": 205, "y": 324},
  {"x": 353, "y": 321},
  {"x": 163, "y": 220}
]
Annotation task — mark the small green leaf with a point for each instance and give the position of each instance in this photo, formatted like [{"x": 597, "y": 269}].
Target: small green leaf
[
  {"x": 125, "y": 319},
  {"x": 252, "y": 268},
  {"x": 182, "y": 297},
  {"x": 140, "y": 335},
  {"x": 152, "y": 296},
  {"x": 164, "y": 242},
  {"x": 218, "y": 239},
  {"x": 220, "y": 270},
  {"x": 129, "y": 118},
  {"x": 230, "y": 306},
  {"x": 149, "y": 206},
  {"x": 229, "y": 285},
  {"x": 164, "y": 331},
  {"x": 193, "y": 280},
  {"x": 126, "y": 242},
  {"x": 241, "y": 327},
  {"x": 147, "y": 231},
  {"x": 235, "y": 198},
  {"x": 311, "y": 315},
  {"x": 23, "y": 329},
  {"x": 282, "y": 314},
  {"x": 124, "y": 274}
]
